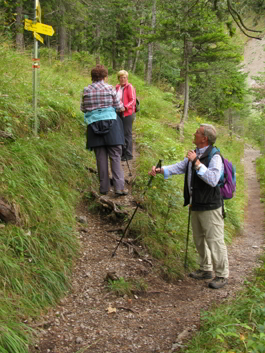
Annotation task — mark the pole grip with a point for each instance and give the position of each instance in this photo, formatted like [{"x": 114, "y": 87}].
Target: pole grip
[{"x": 159, "y": 165}]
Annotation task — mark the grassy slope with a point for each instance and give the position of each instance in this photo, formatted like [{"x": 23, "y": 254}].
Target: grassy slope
[{"x": 46, "y": 177}]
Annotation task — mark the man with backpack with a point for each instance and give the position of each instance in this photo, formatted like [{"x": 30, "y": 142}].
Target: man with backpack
[{"x": 202, "y": 194}]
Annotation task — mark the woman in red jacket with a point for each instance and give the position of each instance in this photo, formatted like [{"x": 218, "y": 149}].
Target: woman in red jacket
[{"x": 128, "y": 98}]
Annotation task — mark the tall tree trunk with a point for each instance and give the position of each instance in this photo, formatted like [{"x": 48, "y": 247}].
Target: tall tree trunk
[
  {"x": 98, "y": 48},
  {"x": 138, "y": 45},
  {"x": 187, "y": 53},
  {"x": 149, "y": 64},
  {"x": 130, "y": 60},
  {"x": 62, "y": 33},
  {"x": 62, "y": 42},
  {"x": 150, "y": 47},
  {"x": 180, "y": 89},
  {"x": 70, "y": 44},
  {"x": 114, "y": 54},
  {"x": 19, "y": 28}
]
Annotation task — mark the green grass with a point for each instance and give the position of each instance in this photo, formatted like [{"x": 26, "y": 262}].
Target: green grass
[
  {"x": 260, "y": 170},
  {"x": 46, "y": 177},
  {"x": 127, "y": 287},
  {"x": 237, "y": 326}
]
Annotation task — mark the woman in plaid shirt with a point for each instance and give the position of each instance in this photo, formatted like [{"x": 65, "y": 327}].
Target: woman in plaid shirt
[{"x": 105, "y": 134}]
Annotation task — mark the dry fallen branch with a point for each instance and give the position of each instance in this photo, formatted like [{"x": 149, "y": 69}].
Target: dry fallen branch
[
  {"x": 132, "y": 249},
  {"x": 107, "y": 203}
]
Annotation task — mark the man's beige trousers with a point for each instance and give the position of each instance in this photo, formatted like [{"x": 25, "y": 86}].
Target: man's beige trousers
[{"x": 208, "y": 235}]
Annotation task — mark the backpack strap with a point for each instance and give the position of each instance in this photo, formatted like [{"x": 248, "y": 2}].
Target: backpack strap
[{"x": 214, "y": 151}]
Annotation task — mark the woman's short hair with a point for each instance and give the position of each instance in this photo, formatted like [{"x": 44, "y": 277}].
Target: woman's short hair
[
  {"x": 123, "y": 73},
  {"x": 98, "y": 73},
  {"x": 210, "y": 132}
]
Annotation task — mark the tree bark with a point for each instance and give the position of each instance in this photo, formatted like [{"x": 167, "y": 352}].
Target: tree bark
[
  {"x": 19, "y": 29},
  {"x": 62, "y": 42},
  {"x": 180, "y": 89},
  {"x": 130, "y": 60},
  {"x": 98, "y": 49},
  {"x": 62, "y": 33},
  {"x": 114, "y": 53},
  {"x": 187, "y": 52},
  {"x": 151, "y": 47},
  {"x": 138, "y": 45}
]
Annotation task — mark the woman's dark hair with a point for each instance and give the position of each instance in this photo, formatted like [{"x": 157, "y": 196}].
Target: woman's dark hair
[{"x": 98, "y": 73}]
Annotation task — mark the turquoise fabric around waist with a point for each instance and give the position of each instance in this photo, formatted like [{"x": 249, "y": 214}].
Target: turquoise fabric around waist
[{"x": 99, "y": 114}]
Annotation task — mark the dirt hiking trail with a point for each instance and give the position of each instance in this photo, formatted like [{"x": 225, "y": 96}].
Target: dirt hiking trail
[{"x": 92, "y": 320}]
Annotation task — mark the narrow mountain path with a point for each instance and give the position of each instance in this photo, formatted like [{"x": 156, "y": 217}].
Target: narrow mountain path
[{"x": 92, "y": 320}]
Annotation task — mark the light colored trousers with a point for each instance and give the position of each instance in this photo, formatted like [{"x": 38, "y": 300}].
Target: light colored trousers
[
  {"x": 114, "y": 153},
  {"x": 208, "y": 235}
]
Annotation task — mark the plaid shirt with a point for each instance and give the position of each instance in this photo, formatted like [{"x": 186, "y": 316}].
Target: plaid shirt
[
  {"x": 99, "y": 95},
  {"x": 210, "y": 175}
]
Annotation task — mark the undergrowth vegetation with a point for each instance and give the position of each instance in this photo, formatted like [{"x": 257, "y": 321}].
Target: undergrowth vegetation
[
  {"x": 235, "y": 327},
  {"x": 46, "y": 177},
  {"x": 127, "y": 287}
]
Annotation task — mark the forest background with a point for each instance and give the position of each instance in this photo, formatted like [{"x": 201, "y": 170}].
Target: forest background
[{"x": 185, "y": 59}]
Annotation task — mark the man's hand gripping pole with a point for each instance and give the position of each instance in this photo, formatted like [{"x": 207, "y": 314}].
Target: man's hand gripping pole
[{"x": 159, "y": 165}]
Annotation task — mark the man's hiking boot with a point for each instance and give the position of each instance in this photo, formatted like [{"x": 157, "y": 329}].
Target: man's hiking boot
[
  {"x": 200, "y": 274},
  {"x": 217, "y": 282}
]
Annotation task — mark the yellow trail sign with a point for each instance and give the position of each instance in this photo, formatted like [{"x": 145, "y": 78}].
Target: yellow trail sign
[
  {"x": 38, "y": 27},
  {"x": 38, "y": 11},
  {"x": 38, "y": 37}
]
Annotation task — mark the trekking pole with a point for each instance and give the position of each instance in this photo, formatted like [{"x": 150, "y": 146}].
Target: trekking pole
[
  {"x": 130, "y": 173},
  {"x": 159, "y": 164},
  {"x": 187, "y": 240}
]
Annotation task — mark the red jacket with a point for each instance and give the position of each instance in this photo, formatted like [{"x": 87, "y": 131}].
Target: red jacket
[{"x": 128, "y": 98}]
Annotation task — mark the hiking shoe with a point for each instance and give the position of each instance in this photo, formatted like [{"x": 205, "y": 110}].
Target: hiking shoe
[
  {"x": 103, "y": 192},
  {"x": 129, "y": 158},
  {"x": 217, "y": 282},
  {"x": 200, "y": 274},
  {"x": 121, "y": 192}
]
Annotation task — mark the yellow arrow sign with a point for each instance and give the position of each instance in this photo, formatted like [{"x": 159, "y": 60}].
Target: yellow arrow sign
[
  {"x": 38, "y": 37},
  {"x": 38, "y": 27}
]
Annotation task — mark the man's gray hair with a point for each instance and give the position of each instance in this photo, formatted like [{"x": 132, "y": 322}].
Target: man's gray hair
[{"x": 210, "y": 132}]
